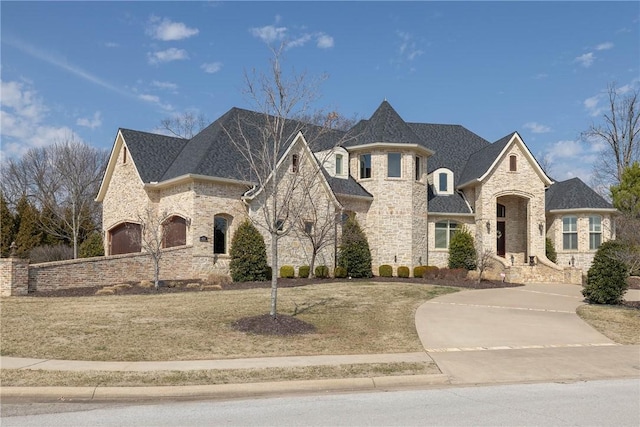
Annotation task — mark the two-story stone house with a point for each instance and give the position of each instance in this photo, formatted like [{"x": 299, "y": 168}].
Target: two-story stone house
[{"x": 410, "y": 186}]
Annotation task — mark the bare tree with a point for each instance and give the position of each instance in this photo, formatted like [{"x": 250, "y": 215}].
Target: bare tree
[
  {"x": 152, "y": 238},
  {"x": 279, "y": 98},
  {"x": 485, "y": 262},
  {"x": 619, "y": 132},
  {"x": 62, "y": 180},
  {"x": 185, "y": 125}
]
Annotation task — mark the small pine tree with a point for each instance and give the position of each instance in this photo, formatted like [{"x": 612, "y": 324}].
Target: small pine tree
[
  {"x": 8, "y": 231},
  {"x": 29, "y": 235},
  {"x": 550, "y": 250},
  {"x": 92, "y": 246},
  {"x": 355, "y": 256},
  {"x": 462, "y": 252},
  {"x": 607, "y": 277},
  {"x": 248, "y": 254}
]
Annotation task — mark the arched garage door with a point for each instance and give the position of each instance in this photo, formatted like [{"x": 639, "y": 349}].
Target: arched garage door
[{"x": 125, "y": 238}]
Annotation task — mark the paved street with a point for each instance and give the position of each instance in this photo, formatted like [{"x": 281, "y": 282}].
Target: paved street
[{"x": 582, "y": 403}]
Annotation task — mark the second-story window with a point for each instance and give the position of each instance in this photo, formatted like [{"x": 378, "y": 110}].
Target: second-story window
[
  {"x": 393, "y": 165},
  {"x": 338, "y": 164},
  {"x": 294, "y": 163},
  {"x": 443, "y": 182},
  {"x": 365, "y": 166},
  {"x": 418, "y": 168},
  {"x": 513, "y": 163}
]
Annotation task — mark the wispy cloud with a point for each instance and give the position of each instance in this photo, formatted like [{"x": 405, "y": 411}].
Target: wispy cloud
[
  {"x": 592, "y": 106},
  {"x": 408, "y": 47},
  {"x": 536, "y": 127},
  {"x": 586, "y": 59},
  {"x": 111, "y": 44},
  {"x": 570, "y": 158},
  {"x": 91, "y": 123},
  {"x": 278, "y": 33},
  {"x": 604, "y": 46},
  {"x": 324, "y": 41},
  {"x": 168, "y": 55},
  {"x": 166, "y": 30},
  {"x": 164, "y": 85},
  {"x": 22, "y": 120},
  {"x": 154, "y": 99},
  {"x": 212, "y": 67}
]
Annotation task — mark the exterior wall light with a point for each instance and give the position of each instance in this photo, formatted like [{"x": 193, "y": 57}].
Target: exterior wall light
[
  {"x": 512, "y": 259},
  {"x": 573, "y": 261},
  {"x": 541, "y": 228},
  {"x": 488, "y": 227}
]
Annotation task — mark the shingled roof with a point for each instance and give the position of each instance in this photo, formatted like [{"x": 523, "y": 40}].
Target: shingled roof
[
  {"x": 452, "y": 204},
  {"x": 574, "y": 194},
  {"x": 385, "y": 125},
  {"x": 483, "y": 159},
  {"x": 152, "y": 153},
  {"x": 346, "y": 187}
]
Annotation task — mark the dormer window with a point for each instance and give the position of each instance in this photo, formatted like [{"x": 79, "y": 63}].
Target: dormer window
[
  {"x": 339, "y": 164},
  {"x": 443, "y": 181}
]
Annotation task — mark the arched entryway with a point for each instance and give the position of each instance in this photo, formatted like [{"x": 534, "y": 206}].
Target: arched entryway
[{"x": 512, "y": 212}]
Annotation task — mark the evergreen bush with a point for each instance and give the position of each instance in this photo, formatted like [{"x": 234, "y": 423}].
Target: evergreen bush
[
  {"x": 248, "y": 254},
  {"x": 303, "y": 271},
  {"x": 385, "y": 270},
  {"x": 550, "y": 250},
  {"x": 607, "y": 277},
  {"x": 92, "y": 246},
  {"x": 340, "y": 273},
  {"x": 287, "y": 272},
  {"x": 462, "y": 251},
  {"x": 355, "y": 256},
  {"x": 418, "y": 271},
  {"x": 322, "y": 272},
  {"x": 403, "y": 271}
]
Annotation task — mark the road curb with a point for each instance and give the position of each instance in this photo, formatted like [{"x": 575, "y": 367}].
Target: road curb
[{"x": 221, "y": 390}]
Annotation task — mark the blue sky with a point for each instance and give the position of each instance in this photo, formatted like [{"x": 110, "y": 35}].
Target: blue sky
[{"x": 84, "y": 69}]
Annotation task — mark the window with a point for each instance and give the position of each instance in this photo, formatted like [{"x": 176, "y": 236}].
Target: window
[
  {"x": 220, "y": 227},
  {"x": 124, "y": 154},
  {"x": 501, "y": 211},
  {"x": 280, "y": 224},
  {"x": 125, "y": 238},
  {"x": 442, "y": 182},
  {"x": 338, "y": 164},
  {"x": 175, "y": 232},
  {"x": 294, "y": 163},
  {"x": 365, "y": 166},
  {"x": 595, "y": 232},
  {"x": 393, "y": 165},
  {"x": 418, "y": 169},
  {"x": 346, "y": 215},
  {"x": 569, "y": 233},
  {"x": 308, "y": 227},
  {"x": 513, "y": 163},
  {"x": 444, "y": 231}
]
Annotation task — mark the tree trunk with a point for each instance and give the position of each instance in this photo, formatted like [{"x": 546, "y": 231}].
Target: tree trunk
[
  {"x": 156, "y": 272},
  {"x": 312, "y": 264},
  {"x": 274, "y": 273}
]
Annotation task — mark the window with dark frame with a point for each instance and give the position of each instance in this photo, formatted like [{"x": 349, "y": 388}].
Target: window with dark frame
[
  {"x": 294, "y": 163},
  {"x": 124, "y": 155},
  {"x": 220, "y": 226},
  {"x": 280, "y": 224},
  {"x": 308, "y": 227},
  {"x": 513, "y": 163},
  {"x": 418, "y": 168},
  {"x": 365, "y": 166}
]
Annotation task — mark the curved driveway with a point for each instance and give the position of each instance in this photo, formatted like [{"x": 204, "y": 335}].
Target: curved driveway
[{"x": 529, "y": 333}]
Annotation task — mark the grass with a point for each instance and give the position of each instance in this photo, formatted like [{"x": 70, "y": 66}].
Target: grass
[
  {"x": 351, "y": 318},
  {"x": 34, "y": 378},
  {"x": 619, "y": 324}
]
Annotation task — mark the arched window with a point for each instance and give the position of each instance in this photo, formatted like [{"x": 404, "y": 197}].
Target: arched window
[
  {"x": 444, "y": 231},
  {"x": 220, "y": 231},
  {"x": 125, "y": 238},
  {"x": 175, "y": 232}
]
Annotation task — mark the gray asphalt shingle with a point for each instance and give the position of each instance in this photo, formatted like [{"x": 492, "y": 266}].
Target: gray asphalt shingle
[
  {"x": 152, "y": 153},
  {"x": 574, "y": 194}
]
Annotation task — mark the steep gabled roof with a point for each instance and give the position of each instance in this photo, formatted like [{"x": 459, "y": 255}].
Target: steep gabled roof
[
  {"x": 453, "y": 204},
  {"x": 573, "y": 194},
  {"x": 346, "y": 187},
  {"x": 152, "y": 153},
  {"x": 385, "y": 125},
  {"x": 481, "y": 160}
]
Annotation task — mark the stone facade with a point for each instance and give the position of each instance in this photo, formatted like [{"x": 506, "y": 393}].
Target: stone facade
[{"x": 14, "y": 276}]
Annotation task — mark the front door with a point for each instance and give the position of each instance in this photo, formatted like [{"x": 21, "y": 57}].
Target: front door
[{"x": 501, "y": 239}]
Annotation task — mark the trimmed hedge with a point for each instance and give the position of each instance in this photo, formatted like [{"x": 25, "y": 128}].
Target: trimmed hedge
[
  {"x": 303, "y": 271},
  {"x": 403, "y": 271},
  {"x": 418, "y": 271},
  {"x": 385, "y": 270},
  {"x": 340, "y": 273},
  {"x": 322, "y": 272},
  {"x": 287, "y": 272}
]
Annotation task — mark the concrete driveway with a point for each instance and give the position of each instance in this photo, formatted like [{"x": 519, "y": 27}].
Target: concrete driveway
[{"x": 529, "y": 333}]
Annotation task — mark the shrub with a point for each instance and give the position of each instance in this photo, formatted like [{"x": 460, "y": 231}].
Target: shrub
[
  {"x": 287, "y": 272},
  {"x": 550, "y": 250},
  {"x": 92, "y": 246},
  {"x": 607, "y": 277},
  {"x": 215, "y": 279},
  {"x": 355, "y": 255},
  {"x": 322, "y": 272},
  {"x": 248, "y": 254},
  {"x": 462, "y": 252},
  {"x": 403, "y": 271},
  {"x": 431, "y": 272},
  {"x": 385, "y": 270},
  {"x": 340, "y": 273},
  {"x": 418, "y": 271},
  {"x": 303, "y": 271},
  {"x": 453, "y": 273},
  {"x": 48, "y": 253}
]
